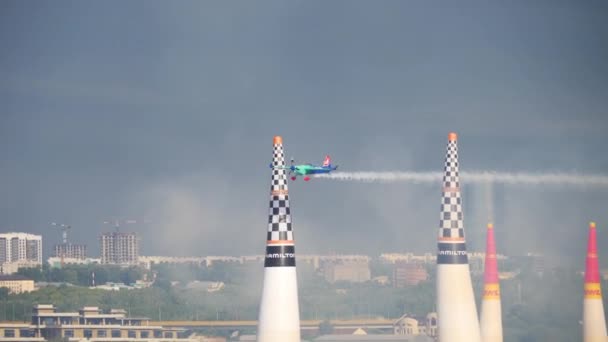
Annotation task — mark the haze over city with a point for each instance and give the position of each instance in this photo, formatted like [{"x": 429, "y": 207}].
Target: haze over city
[{"x": 165, "y": 112}]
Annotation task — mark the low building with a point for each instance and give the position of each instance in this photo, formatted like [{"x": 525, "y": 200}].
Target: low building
[
  {"x": 209, "y": 286},
  {"x": 110, "y": 286},
  {"x": 18, "y": 332},
  {"x": 12, "y": 267},
  {"x": 351, "y": 271},
  {"x": 90, "y": 324},
  {"x": 409, "y": 274},
  {"x": 509, "y": 275},
  {"x": 410, "y": 325},
  {"x": 55, "y": 262},
  {"x": 392, "y": 258},
  {"x": 16, "y": 283}
]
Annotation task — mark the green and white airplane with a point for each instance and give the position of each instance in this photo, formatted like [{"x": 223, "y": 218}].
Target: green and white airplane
[{"x": 308, "y": 169}]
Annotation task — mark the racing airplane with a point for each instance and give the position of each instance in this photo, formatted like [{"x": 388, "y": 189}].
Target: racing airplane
[{"x": 308, "y": 169}]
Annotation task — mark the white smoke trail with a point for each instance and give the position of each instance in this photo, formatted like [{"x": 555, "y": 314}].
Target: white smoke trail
[
  {"x": 384, "y": 177},
  {"x": 571, "y": 179}
]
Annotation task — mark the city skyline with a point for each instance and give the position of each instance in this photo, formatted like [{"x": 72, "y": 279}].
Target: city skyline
[
  {"x": 164, "y": 112},
  {"x": 79, "y": 252}
]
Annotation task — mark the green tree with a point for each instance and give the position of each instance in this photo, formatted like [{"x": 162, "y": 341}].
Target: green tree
[
  {"x": 34, "y": 273},
  {"x": 162, "y": 283},
  {"x": 3, "y": 293},
  {"x": 101, "y": 275},
  {"x": 70, "y": 276},
  {"x": 130, "y": 275}
]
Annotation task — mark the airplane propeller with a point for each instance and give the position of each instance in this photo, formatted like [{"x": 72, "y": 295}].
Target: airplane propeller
[{"x": 292, "y": 168}]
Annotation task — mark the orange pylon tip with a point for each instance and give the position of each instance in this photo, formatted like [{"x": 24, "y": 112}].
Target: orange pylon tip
[
  {"x": 277, "y": 140},
  {"x": 452, "y": 136}
]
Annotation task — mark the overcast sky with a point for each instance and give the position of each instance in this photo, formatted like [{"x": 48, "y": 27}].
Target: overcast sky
[{"x": 165, "y": 111}]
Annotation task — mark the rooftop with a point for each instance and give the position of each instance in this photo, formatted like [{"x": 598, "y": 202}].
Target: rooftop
[{"x": 12, "y": 277}]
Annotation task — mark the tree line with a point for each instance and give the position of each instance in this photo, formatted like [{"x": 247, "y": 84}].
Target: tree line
[
  {"x": 83, "y": 275},
  {"x": 536, "y": 306}
]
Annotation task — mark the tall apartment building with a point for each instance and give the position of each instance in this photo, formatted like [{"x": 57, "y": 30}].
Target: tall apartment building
[
  {"x": 71, "y": 251},
  {"x": 119, "y": 248},
  {"x": 19, "y": 250}
]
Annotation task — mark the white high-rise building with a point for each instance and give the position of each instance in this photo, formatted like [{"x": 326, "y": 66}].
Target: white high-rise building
[{"x": 19, "y": 250}]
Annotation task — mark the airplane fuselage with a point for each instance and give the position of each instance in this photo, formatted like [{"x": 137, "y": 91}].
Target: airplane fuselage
[{"x": 311, "y": 169}]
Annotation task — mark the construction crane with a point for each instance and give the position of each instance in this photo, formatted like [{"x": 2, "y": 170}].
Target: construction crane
[
  {"x": 64, "y": 230},
  {"x": 117, "y": 223},
  {"x": 64, "y": 237}
]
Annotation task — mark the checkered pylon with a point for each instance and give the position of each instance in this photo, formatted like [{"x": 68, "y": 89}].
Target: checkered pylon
[
  {"x": 451, "y": 230},
  {"x": 279, "y": 215},
  {"x": 450, "y": 223}
]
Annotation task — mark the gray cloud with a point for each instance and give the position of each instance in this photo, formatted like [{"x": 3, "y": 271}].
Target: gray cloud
[{"x": 169, "y": 109}]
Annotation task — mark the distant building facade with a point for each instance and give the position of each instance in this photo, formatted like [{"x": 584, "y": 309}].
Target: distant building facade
[
  {"x": 72, "y": 251},
  {"x": 351, "y": 271},
  {"x": 416, "y": 326},
  {"x": 18, "y": 332},
  {"x": 318, "y": 260},
  {"x": 16, "y": 283},
  {"x": 19, "y": 250},
  {"x": 55, "y": 262},
  {"x": 392, "y": 258},
  {"x": 90, "y": 324},
  {"x": 119, "y": 248},
  {"x": 537, "y": 262},
  {"x": 409, "y": 274}
]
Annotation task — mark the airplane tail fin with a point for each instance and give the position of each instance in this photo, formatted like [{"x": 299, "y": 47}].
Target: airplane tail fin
[{"x": 327, "y": 161}]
